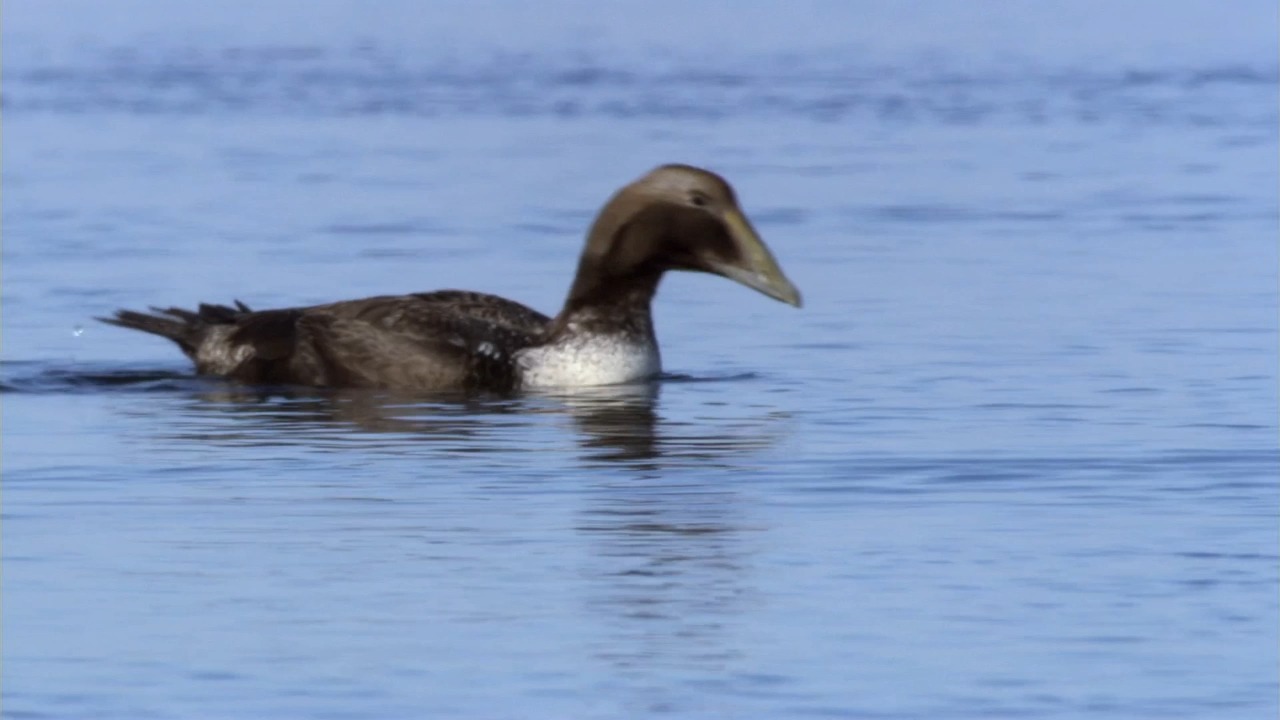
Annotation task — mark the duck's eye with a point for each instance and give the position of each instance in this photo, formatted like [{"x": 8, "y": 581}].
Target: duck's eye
[{"x": 699, "y": 200}]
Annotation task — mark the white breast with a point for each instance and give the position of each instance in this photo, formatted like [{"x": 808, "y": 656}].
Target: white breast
[{"x": 588, "y": 360}]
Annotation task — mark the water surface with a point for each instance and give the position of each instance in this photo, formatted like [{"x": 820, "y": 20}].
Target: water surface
[{"x": 1016, "y": 456}]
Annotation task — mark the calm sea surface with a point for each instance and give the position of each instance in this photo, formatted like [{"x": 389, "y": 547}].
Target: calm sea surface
[{"x": 1016, "y": 457}]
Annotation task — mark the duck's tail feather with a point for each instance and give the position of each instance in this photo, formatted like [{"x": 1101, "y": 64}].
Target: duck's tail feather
[{"x": 184, "y": 327}]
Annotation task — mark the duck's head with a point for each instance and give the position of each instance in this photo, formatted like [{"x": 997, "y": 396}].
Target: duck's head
[{"x": 677, "y": 217}]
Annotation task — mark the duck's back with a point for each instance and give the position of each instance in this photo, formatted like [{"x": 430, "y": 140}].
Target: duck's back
[{"x": 446, "y": 340}]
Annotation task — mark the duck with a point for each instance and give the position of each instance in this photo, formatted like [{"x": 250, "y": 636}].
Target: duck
[{"x": 674, "y": 218}]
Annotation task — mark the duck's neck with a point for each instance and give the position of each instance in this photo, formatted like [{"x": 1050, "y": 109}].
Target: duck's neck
[
  {"x": 618, "y": 273},
  {"x": 609, "y": 306}
]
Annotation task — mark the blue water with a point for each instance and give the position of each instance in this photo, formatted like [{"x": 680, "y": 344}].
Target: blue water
[{"x": 1016, "y": 457}]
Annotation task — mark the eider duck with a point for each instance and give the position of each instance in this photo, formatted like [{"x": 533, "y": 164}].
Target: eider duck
[{"x": 677, "y": 217}]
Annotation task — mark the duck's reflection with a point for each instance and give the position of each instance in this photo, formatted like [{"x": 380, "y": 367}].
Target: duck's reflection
[
  {"x": 615, "y": 424},
  {"x": 667, "y": 575},
  {"x": 610, "y": 426},
  {"x": 666, "y": 525}
]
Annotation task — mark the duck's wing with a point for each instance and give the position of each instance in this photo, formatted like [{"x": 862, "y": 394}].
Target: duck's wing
[
  {"x": 482, "y": 307},
  {"x": 449, "y": 340}
]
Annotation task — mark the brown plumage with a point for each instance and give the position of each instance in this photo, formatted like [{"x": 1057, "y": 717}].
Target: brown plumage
[{"x": 676, "y": 217}]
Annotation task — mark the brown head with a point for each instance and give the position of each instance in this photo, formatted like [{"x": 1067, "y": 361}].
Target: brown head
[{"x": 677, "y": 217}]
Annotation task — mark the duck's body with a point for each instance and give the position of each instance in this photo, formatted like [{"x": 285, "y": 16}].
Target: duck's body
[
  {"x": 450, "y": 339},
  {"x": 676, "y": 217}
]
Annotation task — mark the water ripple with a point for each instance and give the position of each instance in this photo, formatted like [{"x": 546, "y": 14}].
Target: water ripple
[{"x": 371, "y": 80}]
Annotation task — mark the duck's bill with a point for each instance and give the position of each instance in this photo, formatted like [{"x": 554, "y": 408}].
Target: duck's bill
[{"x": 757, "y": 269}]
